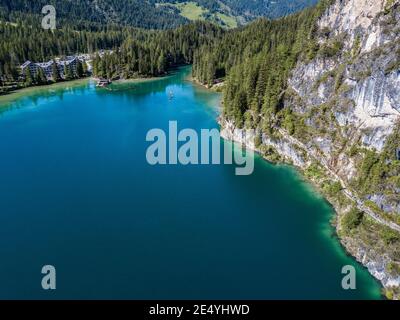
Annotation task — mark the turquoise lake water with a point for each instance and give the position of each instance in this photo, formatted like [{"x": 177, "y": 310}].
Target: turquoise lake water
[{"x": 77, "y": 192}]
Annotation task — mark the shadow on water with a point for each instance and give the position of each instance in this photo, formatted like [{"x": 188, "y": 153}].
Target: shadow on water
[
  {"x": 77, "y": 191},
  {"x": 34, "y": 96},
  {"x": 144, "y": 87}
]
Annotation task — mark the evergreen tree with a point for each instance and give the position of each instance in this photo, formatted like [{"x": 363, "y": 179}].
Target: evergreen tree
[
  {"x": 65, "y": 72},
  {"x": 28, "y": 77},
  {"x": 68, "y": 73},
  {"x": 41, "y": 78},
  {"x": 84, "y": 69},
  {"x": 55, "y": 72},
  {"x": 79, "y": 69}
]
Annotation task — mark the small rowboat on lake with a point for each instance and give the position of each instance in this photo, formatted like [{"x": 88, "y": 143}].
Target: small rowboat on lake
[{"x": 103, "y": 83}]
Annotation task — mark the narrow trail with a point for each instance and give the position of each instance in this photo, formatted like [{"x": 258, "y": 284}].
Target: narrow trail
[{"x": 360, "y": 204}]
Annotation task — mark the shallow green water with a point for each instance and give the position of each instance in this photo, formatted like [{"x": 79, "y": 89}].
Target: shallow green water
[{"x": 77, "y": 192}]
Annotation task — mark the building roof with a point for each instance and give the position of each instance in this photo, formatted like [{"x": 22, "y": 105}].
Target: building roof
[
  {"x": 27, "y": 63},
  {"x": 45, "y": 64},
  {"x": 68, "y": 61},
  {"x": 48, "y": 64}
]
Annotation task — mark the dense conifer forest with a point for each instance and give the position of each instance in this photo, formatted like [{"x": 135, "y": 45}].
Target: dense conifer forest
[
  {"x": 145, "y": 14},
  {"x": 136, "y": 13},
  {"x": 154, "y": 53},
  {"x": 255, "y": 59},
  {"x": 256, "y": 62},
  {"x": 135, "y": 52},
  {"x": 256, "y": 8}
]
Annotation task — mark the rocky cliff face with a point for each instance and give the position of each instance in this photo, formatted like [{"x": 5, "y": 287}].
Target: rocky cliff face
[
  {"x": 348, "y": 100},
  {"x": 369, "y": 45},
  {"x": 360, "y": 81}
]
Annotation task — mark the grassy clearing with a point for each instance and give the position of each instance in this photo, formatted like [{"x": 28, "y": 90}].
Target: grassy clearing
[
  {"x": 193, "y": 11},
  {"x": 190, "y": 10},
  {"x": 229, "y": 21}
]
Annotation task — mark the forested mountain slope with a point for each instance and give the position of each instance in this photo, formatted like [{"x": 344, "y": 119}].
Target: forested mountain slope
[
  {"x": 159, "y": 14},
  {"x": 136, "y": 13},
  {"x": 259, "y": 8},
  {"x": 321, "y": 90},
  {"x": 135, "y": 52}
]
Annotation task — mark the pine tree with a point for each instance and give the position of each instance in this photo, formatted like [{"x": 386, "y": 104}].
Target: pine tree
[
  {"x": 41, "y": 78},
  {"x": 79, "y": 69},
  {"x": 55, "y": 72},
  {"x": 161, "y": 63},
  {"x": 28, "y": 77},
  {"x": 84, "y": 69}
]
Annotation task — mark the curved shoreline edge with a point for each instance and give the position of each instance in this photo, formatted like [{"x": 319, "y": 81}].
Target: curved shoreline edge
[
  {"x": 367, "y": 256},
  {"x": 81, "y": 82}
]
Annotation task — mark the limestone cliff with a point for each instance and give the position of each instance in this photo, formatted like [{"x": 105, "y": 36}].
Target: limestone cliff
[{"x": 347, "y": 99}]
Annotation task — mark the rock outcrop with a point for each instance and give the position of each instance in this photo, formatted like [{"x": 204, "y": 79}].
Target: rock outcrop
[{"x": 349, "y": 99}]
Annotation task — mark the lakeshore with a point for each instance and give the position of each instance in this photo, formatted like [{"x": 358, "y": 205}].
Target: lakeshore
[
  {"x": 354, "y": 245},
  {"x": 80, "y": 181},
  {"x": 49, "y": 89}
]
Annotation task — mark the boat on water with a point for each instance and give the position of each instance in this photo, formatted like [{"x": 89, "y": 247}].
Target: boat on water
[
  {"x": 170, "y": 95},
  {"x": 103, "y": 83}
]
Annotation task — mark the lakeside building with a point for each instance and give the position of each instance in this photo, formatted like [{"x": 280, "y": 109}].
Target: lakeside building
[
  {"x": 103, "y": 82},
  {"x": 47, "y": 67}
]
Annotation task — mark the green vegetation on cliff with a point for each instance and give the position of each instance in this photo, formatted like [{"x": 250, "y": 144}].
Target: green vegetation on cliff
[{"x": 256, "y": 62}]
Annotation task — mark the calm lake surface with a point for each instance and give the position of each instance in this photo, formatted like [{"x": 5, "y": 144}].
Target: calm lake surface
[{"x": 77, "y": 192}]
